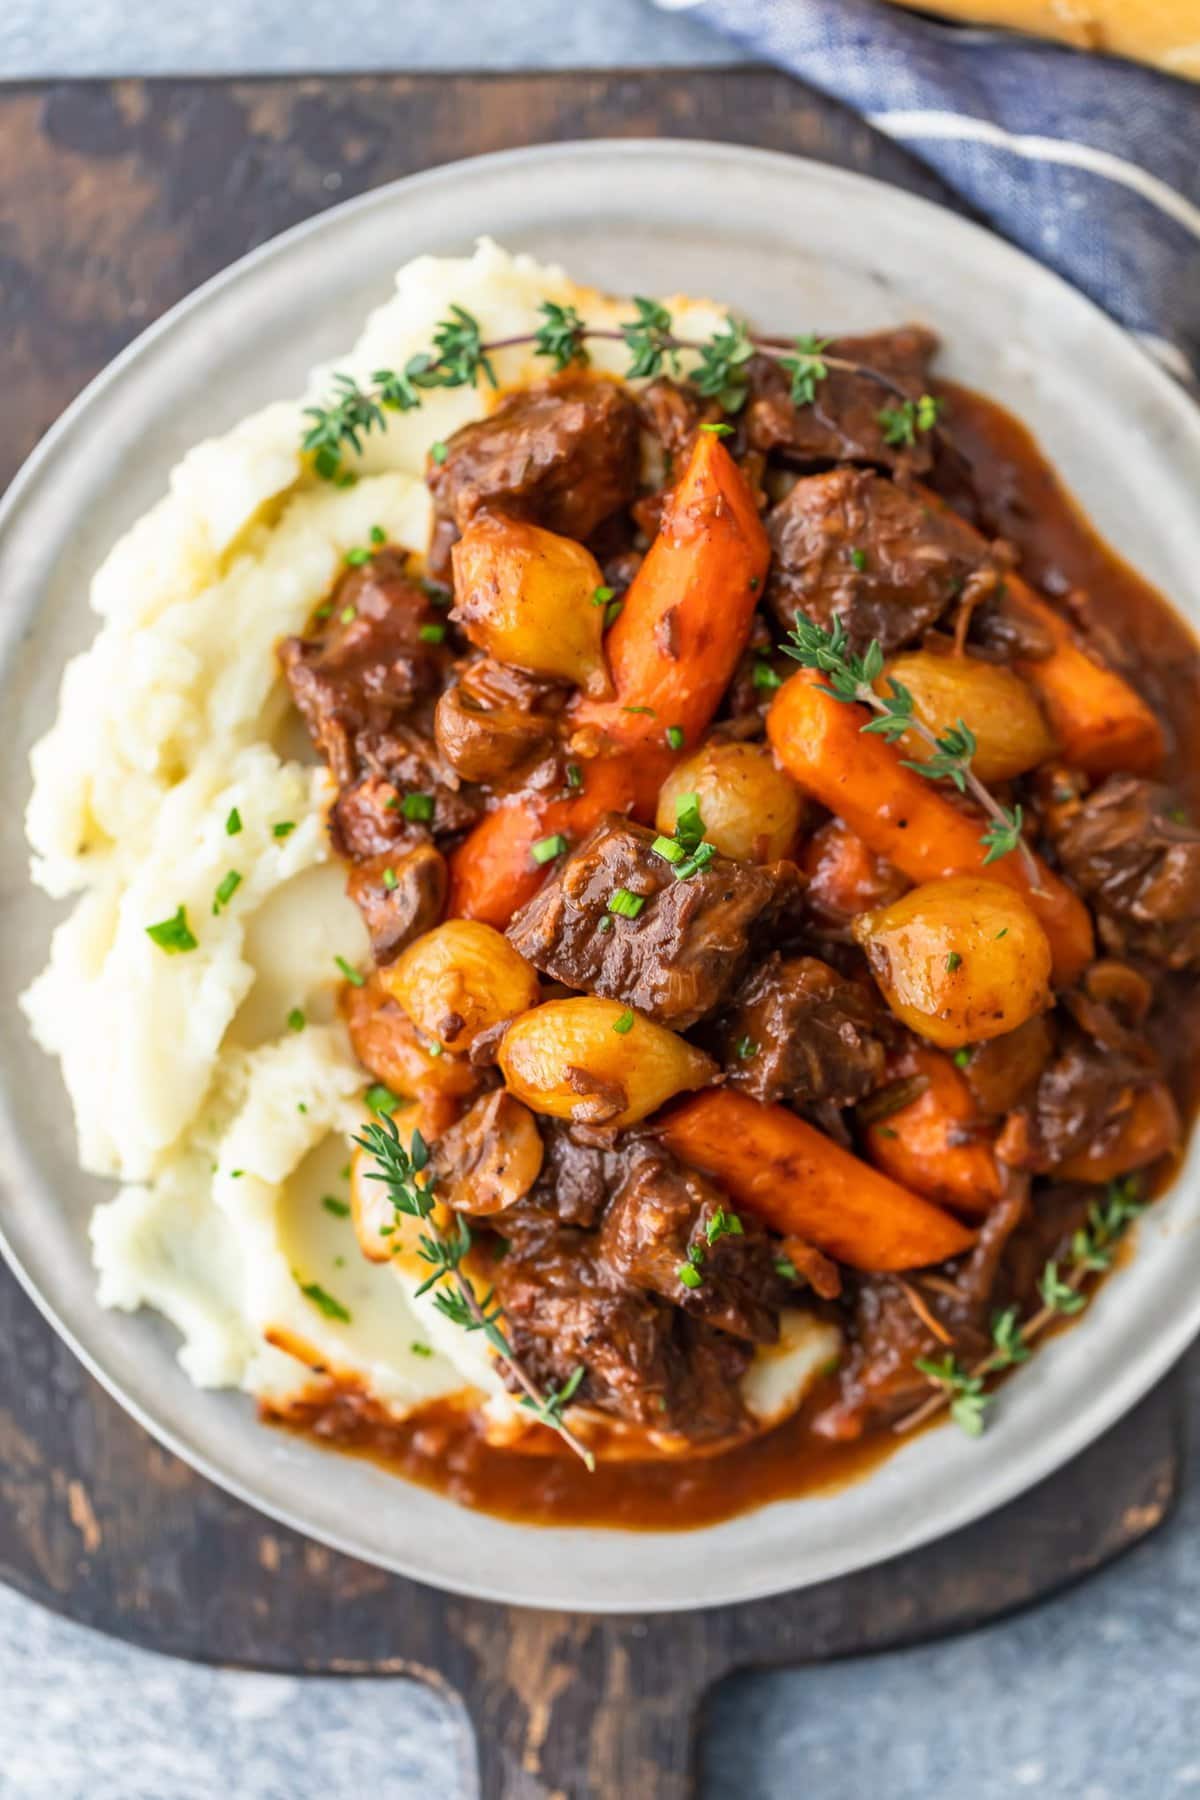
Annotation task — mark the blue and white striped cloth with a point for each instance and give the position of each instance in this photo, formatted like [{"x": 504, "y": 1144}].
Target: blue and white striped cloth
[{"x": 1089, "y": 163}]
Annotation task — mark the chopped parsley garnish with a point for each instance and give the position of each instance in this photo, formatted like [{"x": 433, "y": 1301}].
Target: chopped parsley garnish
[
  {"x": 332, "y": 1309},
  {"x": 296, "y": 1020},
  {"x": 675, "y": 737},
  {"x": 233, "y": 823},
  {"x": 745, "y": 1048},
  {"x": 689, "y": 1272},
  {"x": 284, "y": 828},
  {"x": 547, "y": 848},
  {"x": 624, "y": 1023},
  {"x": 625, "y": 904},
  {"x": 431, "y": 634},
  {"x": 352, "y": 975},
  {"x": 389, "y": 879},
  {"x": 174, "y": 935},
  {"x": 418, "y": 808},
  {"x": 689, "y": 826},
  {"x": 381, "y": 1099},
  {"x": 227, "y": 887},
  {"x": 602, "y": 595}
]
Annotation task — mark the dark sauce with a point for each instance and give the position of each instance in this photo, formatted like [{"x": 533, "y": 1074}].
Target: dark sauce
[{"x": 1015, "y": 494}]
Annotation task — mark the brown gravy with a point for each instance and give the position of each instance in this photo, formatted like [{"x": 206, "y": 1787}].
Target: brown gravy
[{"x": 441, "y": 1448}]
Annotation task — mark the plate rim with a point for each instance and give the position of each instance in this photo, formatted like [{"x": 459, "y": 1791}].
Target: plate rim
[{"x": 1110, "y": 1402}]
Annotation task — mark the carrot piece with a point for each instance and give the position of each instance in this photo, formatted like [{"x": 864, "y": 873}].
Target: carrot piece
[
  {"x": 493, "y": 872},
  {"x": 845, "y": 876},
  {"x": 686, "y": 617},
  {"x": 1101, "y": 722},
  {"x": 925, "y": 1145},
  {"x": 903, "y": 816},
  {"x": 802, "y": 1184},
  {"x": 1150, "y": 1129}
]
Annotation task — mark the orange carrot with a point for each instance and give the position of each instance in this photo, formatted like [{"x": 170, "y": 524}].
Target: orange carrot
[
  {"x": 1149, "y": 1130},
  {"x": 1102, "y": 724},
  {"x": 801, "y": 1183},
  {"x": 493, "y": 871},
  {"x": 686, "y": 617},
  {"x": 904, "y": 817},
  {"x": 925, "y": 1145}
]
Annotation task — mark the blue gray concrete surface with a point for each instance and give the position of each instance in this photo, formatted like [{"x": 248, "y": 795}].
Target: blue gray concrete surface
[{"x": 1095, "y": 1696}]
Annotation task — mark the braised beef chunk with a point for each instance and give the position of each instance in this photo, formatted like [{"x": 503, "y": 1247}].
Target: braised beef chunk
[
  {"x": 845, "y": 878},
  {"x": 563, "y": 454},
  {"x": 842, "y": 423},
  {"x": 670, "y": 1231},
  {"x": 644, "y": 1361},
  {"x": 399, "y": 897},
  {"x": 1084, "y": 1097},
  {"x": 673, "y": 412},
  {"x": 581, "y": 1172},
  {"x": 798, "y": 1031},
  {"x": 365, "y": 682},
  {"x": 495, "y": 721},
  {"x": 1134, "y": 854},
  {"x": 367, "y": 664},
  {"x": 853, "y": 546},
  {"x": 683, "y": 952}
]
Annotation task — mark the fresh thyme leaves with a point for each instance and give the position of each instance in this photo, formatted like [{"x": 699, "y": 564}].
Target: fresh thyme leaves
[
  {"x": 459, "y": 356},
  {"x": 851, "y": 678},
  {"x": 807, "y": 368},
  {"x": 650, "y": 340},
  {"x": 902, "y": 423},
  {"x": 324, "y": 1302},
  {"x": 721, "y": 373},
  {"x": 443, "y": 1249},
  {"x": 1090, "y": 1253},
  {"x": 174, "y": 935},
  {"x": 963, "y": 1390},
  {"x": 561, "y": 335}
]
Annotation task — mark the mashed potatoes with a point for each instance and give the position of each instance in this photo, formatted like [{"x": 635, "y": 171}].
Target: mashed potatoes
[{"x": 218, "y": 1086}]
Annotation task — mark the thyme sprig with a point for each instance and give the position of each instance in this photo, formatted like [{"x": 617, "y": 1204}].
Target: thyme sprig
[
  {"x": 1062, "y": 1295},
  {"x": 851, "y": 678},
  {"x": 459, "y": 356},
  {"x": 444, "y": 1251}
]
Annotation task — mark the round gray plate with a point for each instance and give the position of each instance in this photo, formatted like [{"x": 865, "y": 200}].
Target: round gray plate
[{"x": 797, "y": 246}]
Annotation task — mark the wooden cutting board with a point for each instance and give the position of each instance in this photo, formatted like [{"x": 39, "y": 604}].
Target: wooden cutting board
[{"x": 116, "y": 199}]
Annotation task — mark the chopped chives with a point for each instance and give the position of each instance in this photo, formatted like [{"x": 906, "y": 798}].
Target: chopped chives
[
  {"x": 624, "y": 1023},
  {"x": 173, "y": 935},
  {"x": 625, "y": 904},
  {"x": 352, "y": 975},
  {"x": 226, "y": 889},
  {"x": 547, "y": 848},
  {"x": 417, "y": 807}
]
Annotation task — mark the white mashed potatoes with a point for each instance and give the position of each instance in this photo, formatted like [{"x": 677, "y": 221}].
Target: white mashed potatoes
[{"x": 218, "y": 1086}]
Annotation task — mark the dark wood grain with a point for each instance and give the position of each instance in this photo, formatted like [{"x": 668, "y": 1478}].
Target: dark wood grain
[{"x": 116, "y": 200}]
